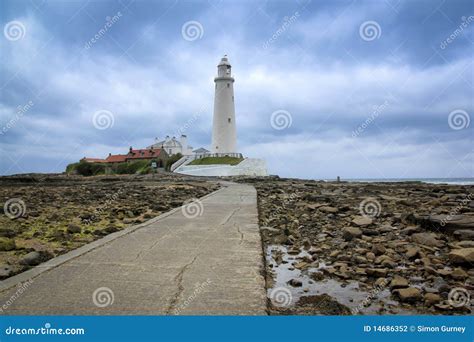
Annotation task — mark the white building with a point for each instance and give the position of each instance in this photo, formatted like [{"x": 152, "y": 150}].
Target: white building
[
  {"x": 174, "y": 146},
  {"x": 224, "y": 136}
]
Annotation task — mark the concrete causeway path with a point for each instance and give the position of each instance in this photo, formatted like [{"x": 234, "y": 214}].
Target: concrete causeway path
[{"x": 204, "y": 258}]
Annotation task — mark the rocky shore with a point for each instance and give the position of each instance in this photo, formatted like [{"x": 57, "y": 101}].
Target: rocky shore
[
  {"x": 367, "y": 248},
  {"x": 44, "y": 216}
]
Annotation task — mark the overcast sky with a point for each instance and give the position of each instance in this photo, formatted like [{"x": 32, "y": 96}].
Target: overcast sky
[{"x": 359, "y": 89}]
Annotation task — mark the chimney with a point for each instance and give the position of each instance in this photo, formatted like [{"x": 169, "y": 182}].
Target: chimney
[
  {"x": 130, "y": 151},
  {"x": 184, "y": 144}
]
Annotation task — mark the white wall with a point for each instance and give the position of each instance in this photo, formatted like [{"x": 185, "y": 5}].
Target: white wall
[{"x": 248, "y": 167}]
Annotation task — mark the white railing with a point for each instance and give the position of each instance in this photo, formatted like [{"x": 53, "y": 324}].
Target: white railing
[
  {"x": 178, "y": 163},
  {"x": 206, "y": 155}
]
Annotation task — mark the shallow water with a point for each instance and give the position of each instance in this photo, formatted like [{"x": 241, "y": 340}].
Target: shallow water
[{"x": 347, "y": 292}]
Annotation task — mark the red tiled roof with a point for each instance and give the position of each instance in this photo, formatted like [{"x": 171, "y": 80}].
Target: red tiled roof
[
  {"x": 132, "y": 155},
  {"x": 116, "y": 158},
  {"x": 143, "y": 154}
]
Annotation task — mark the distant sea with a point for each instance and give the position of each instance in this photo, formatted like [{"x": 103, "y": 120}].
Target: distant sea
[{"x": 459, "y": 181}]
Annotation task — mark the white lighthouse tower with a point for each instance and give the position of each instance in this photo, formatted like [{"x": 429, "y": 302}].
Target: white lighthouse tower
[{"x": 224, "y": 136}]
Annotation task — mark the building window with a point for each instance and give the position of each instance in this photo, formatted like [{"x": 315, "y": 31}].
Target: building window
[
  {"x": 170, "y": 150},
  {"x": 229, "y": 120},
  {"x": 232, "y": 98},
  {"x": 228, "y": 85}
]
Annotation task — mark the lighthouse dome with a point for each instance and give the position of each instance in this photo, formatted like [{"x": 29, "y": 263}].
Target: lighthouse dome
[{"x": 224, "y": 61}]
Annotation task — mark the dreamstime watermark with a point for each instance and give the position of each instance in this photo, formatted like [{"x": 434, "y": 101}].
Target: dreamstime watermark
[
  {"x": 103, "y": 297},
  {"x": 46, "y": 330},
  {"x": 281, "y": 296},
  {"x": 198, "y": 288},
  {"x": 456, "y": 210},
  {"x": 281, "y": 119},
  {"x": 370, "y": 207},
  {"x": 370, "y": 296},
  {"x": 377, "y": 110},
  {"x": 20, "y": 112},
  {"x": 109, "y": 22},
  {"x": 14, "y": 208},
  {"x": 14, "y": 30},
  {"x": 465, "y": 23},
  {"x": 22, "y": 287},
  {"x": 287, "y": 22},
  {"x": 192, "y": 208},
  {"x": 459, "y": 119},
  {"x": 181, "y": 130},
  {"x": 103, "y": 119},
  {"x": 98, "y": 211},
  {"x": 370, "y": 30},
  {"x": 459, "y": 297},
  {"x": 192, "y": 30}
]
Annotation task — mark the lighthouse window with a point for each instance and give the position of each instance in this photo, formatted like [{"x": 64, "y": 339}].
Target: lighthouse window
[
  {"x": 228, "y": 85},
  {"x": 229, "y": 120}
]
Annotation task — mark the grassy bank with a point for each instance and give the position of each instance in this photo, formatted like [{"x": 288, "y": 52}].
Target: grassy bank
[{"x": 216, "y": 160}]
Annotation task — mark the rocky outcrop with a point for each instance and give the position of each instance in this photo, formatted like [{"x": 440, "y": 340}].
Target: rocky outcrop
[{"x": 384, "y": 236}]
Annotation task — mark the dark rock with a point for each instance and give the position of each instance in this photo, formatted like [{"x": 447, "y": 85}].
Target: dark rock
[
  {"x": 5, "y": 271},
  {"x": 378, "y": 249},
  {"x": 31, "y": 259},
  {"x": 322, "y": 305},
  {"x": 295, "y": 283},
  {"x": 111, "y": 229},
  {"x": 350, "y": 233},
  {"x": 464, "y": 234},
  {"x": 73, "y": 228}
]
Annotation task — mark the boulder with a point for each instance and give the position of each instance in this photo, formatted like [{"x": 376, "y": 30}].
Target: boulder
[
  {"x": 408, "y": 295},
  {"x": 5, "y": 271},
  {"x": 73, "y": 228},
  {"x": 370, "y": 256},
  {"x": 445, "y": 222},
  {"x": 377, "y": 272},
  {"x": 432, "y": 298},
  {"x": 459, "y": 274},
  {"x": 398, "y": 282},
  {"x": 295, "y": 283},
  {"x": 362, "y": 221},
  {"x": 427, "y": 239},
  {"x": 378, "y": 249},
  {"x": 412, "y": 252},
  {"x": 464, "y": 234},
  {"x": 350, "y": 233},
  {"x": 329, "y": 210},
  {"x": 31, "y": 259},
  {"x": 462, "y": 256}
]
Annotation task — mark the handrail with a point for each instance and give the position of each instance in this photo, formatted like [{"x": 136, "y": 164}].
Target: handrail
[{"x": 178, "y": 163}]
